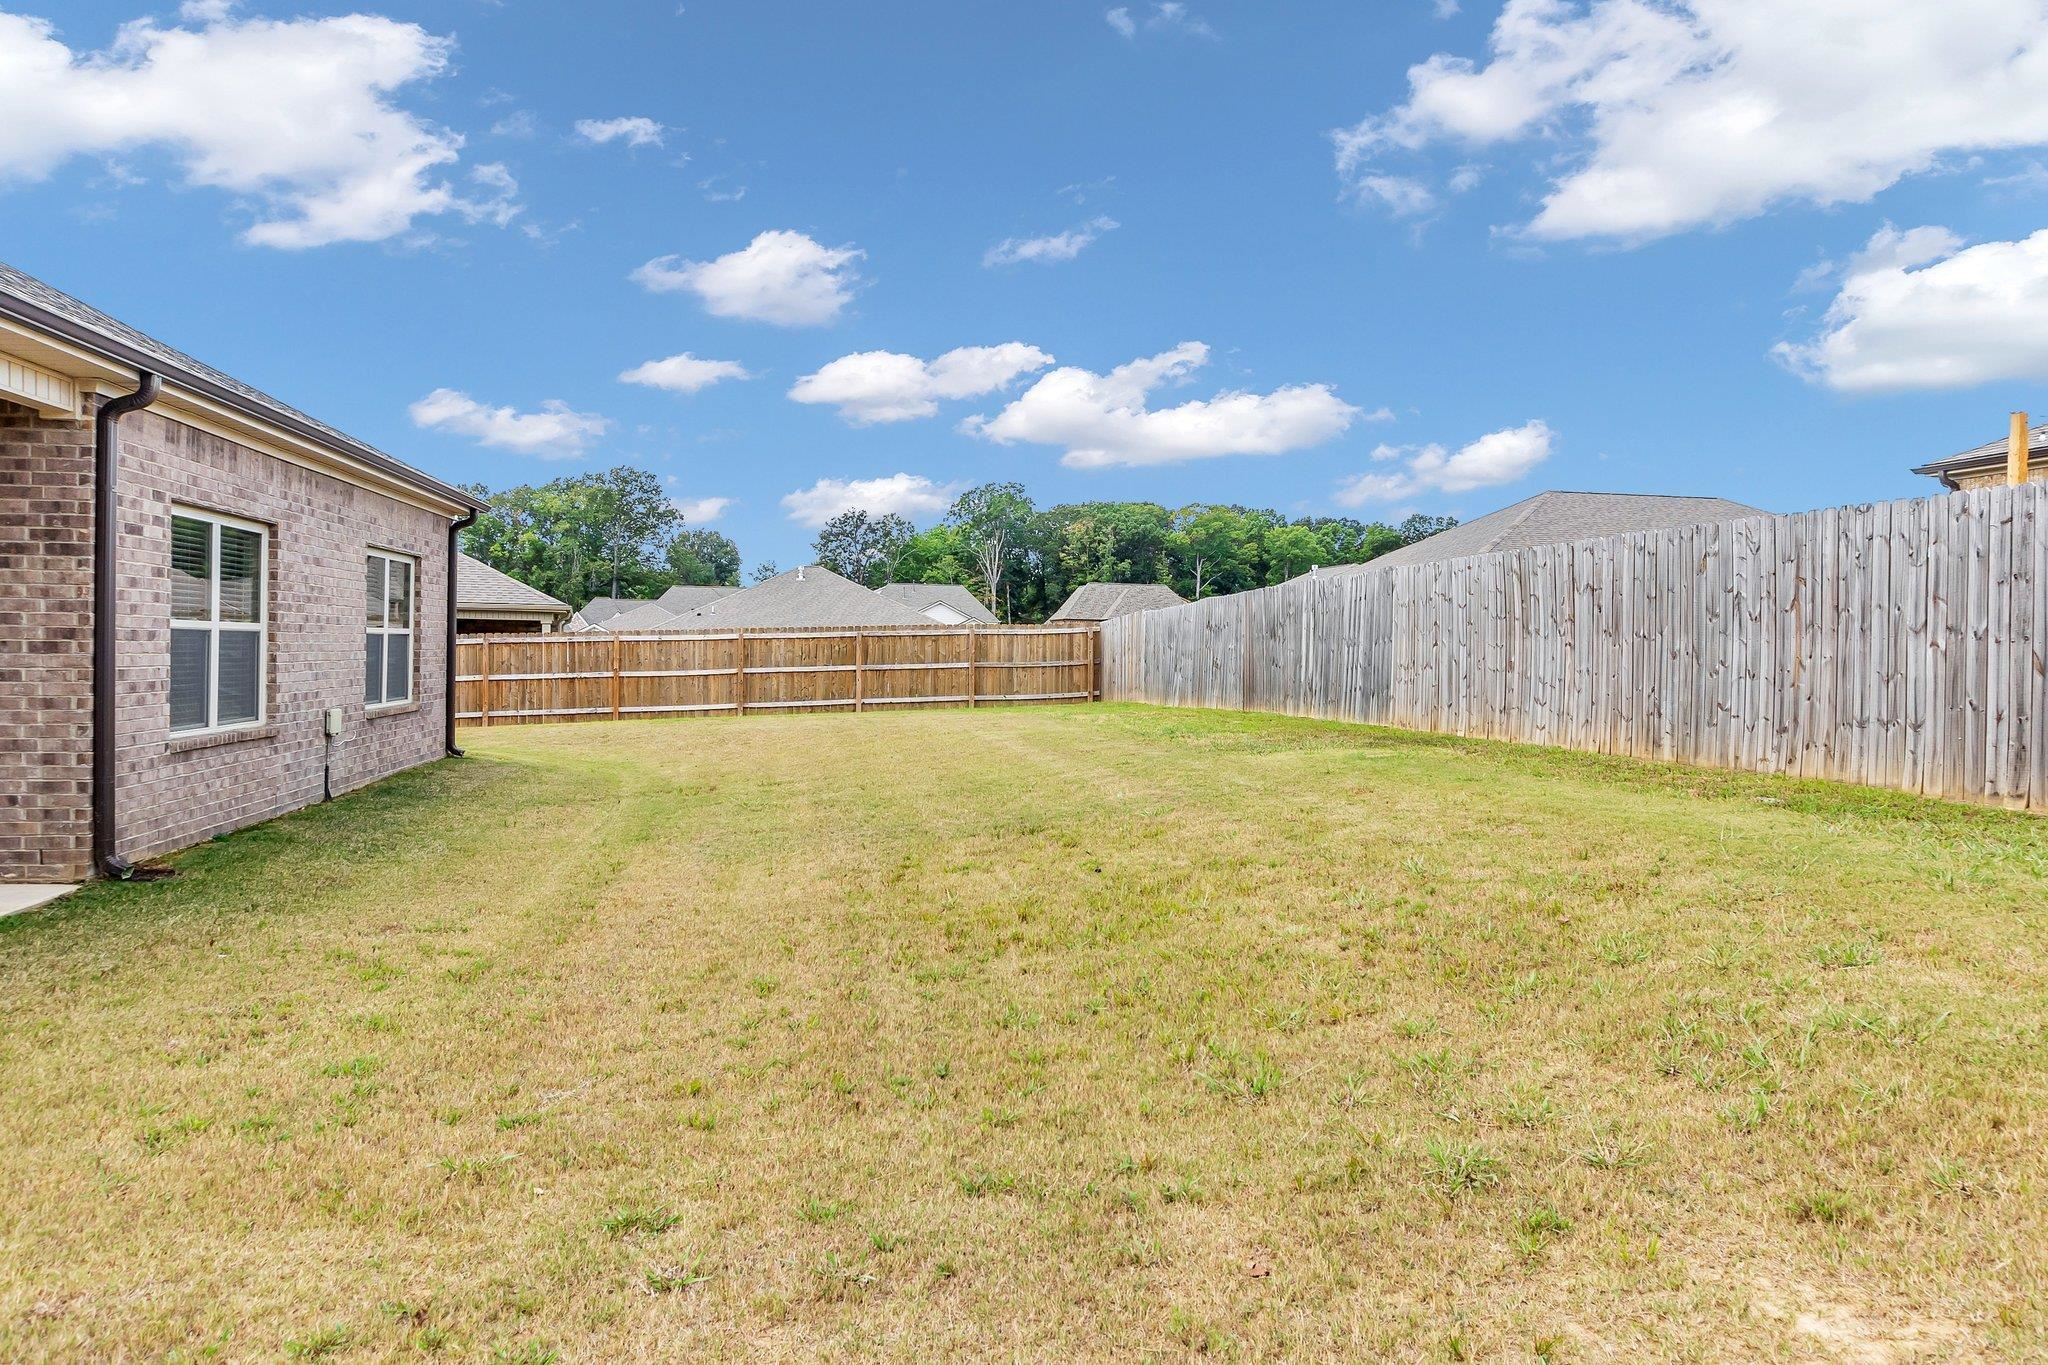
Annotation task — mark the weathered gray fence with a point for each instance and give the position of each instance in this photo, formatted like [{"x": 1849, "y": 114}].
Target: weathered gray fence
[{"x": 1898, "y": 645}]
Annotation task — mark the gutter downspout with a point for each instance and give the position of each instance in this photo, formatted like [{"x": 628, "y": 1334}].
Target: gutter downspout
[
  {"x": 106, "y": 462},
  {"x": 455, "y": 529}
]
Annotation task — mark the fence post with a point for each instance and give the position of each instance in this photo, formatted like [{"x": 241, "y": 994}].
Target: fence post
[
  {"x": 1091, "y": 644},
  {"x": 973, "y": 658},
  {"x": 860, "y": 671},
  {"x": 739, "y": 679},
  {"x": 485, "y": 705},
  {"x": 615, "y": 677}
]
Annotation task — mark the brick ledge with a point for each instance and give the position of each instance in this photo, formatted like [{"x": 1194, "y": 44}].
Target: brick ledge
[{"x": 189, "y": 743}]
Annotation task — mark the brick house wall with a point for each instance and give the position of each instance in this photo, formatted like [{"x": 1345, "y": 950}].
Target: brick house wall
[
  {"x": 45, "y": 647},
  {"x": 2037, "y": 472},
  {"x": 175, "y": 791}
]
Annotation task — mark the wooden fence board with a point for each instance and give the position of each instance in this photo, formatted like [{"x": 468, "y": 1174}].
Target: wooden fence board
[
  {"x": 1896, "y": 645},
  {"x": 535, "y": 679}
]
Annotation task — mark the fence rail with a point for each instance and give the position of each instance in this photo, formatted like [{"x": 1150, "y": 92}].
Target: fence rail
[
  {"x": 1897, "y": 645},
  {"x": 535, "y": 679}
]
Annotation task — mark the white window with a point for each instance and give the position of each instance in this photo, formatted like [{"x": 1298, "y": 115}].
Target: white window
[
  {"x": 218, "y": 616},
  {"x": 387, "y": 656}
]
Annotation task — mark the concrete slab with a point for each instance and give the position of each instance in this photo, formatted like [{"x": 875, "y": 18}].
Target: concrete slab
[{"x": 15, "y": 898}]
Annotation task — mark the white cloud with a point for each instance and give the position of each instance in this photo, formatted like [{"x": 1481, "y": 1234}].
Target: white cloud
[
  {"x": 205, "y": 11},
  {"x": 1496, "y": 458},
  {"x": 1401, "y": 195},
  {"x": 684, "y": 373},
  {"x": 1676, "y": 114},
  {"x": 885, "y": 386},
  {"x": 701, "y": 511},
  {"x": 781, "y": 277},
  {"x": 294, "y": 117},
  {"x": 555, "y": 432},
  {"x": 1918, "y": 310},
  {"x": 1060, "y": 246},
  {"x": 634, "y": 132},
  {"x": 1103, "y": 419},
  {"x": 1166, "y": 15},
  {"x": 1444, "y": 9},
  {"x": 908, "y": 495}
]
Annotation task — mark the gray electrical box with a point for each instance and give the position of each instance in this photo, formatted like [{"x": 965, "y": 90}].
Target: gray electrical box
[{"x": 333, "y": 721}]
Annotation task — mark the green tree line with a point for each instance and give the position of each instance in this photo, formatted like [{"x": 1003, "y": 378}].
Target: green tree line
[
  {"x": 1024, "y": 561},
  {"x": 617, "y": 534}
]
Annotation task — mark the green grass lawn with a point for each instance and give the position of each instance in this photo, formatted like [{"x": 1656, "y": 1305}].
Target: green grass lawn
[{"x": 1040, "y": 1034}]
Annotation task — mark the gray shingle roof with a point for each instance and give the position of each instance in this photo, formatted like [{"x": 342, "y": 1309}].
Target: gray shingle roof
[
  {"x": 27, "y": 298},
  {"x": 598, "y": 610},
  {"x": 684, "y": 598},
  {"x": 809, "y": 596},
  {"x": 919, "y": 597},
  {"x": 1555, "y": 518},
  {"x": 1106, "y": 601},
  {"x": 646, "y": 616},
  {"x": 1989, "y": 455},
  {"x": 479, "y": 586}
]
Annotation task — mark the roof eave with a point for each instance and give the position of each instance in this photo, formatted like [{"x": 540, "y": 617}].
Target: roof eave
[{"x": 109, "y": 348}]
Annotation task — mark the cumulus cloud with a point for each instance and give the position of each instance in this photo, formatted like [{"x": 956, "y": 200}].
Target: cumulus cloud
[
  {"x": 781, "y": 277},
  {"x": 701, "y": 511},
  {"x": 1105, "y": 420},
  {"x": 294, "y": 117},
  {"x": 1918, "y": 310},
  {"x": 634, "y": 132},
  {"x": 885, "y": 386},
  {"x": 1060, "y": 246},
  {"x": 908, "y": 495},
  {"x": 1164, "y": 16},
  {"x": 1676, "y": 114},
  {"x": 556, "y": 432},
  {"x": 684, "y": 373},
  {"x": 1496, "y": 458}
]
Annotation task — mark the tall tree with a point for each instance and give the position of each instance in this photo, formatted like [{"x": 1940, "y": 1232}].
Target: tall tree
[
  {"x": 581, "y": 536},
  {"x": 702, "y": 558},
  {"x": 995, "y": 520},
  {"x": 861, "y": 547},
  {"x": 763, "y": 571}
]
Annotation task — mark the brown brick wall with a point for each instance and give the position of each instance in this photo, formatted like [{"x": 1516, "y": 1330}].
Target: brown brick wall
[
  {"x": 45, "y": 647},
  {"x": 2037, "y": 472},
  {"x": 177, "y": 791}
]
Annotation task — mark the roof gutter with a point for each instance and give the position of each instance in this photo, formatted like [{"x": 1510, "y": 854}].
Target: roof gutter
[
  {"x": 106, "y": 554},
  {"x": 114, "y": 349},
  {"x": 455, "y": 529}
]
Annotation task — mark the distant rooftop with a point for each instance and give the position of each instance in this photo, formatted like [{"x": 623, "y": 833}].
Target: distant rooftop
[
  {"x": 1990, "y": 455},
  {"x": 1556, "y": 518},
  {"x": 1107, "y": 601},
  {"x": 478, "y": 585},
  {"x": 921, "y": 597}
]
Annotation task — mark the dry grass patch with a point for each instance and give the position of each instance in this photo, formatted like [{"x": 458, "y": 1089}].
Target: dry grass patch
[{"x": 1046, "y": 1034}]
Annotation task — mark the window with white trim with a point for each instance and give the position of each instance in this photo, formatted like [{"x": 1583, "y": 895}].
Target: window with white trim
[
  {"x": 387, "y": 652},
  {"x": 218, "y": 621}
]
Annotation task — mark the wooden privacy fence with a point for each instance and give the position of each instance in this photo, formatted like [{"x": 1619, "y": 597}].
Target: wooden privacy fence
[
  {"x": 1898, "y": 645},
  {"x": 529, "y": 679}
]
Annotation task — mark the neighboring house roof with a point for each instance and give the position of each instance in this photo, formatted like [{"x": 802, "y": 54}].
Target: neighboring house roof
[
  {"x": 646, "y": 616},
  {"x": 684, "y": 598},
  {"x": 921, "y": 597},
  {"x": 809, "y": 596},
  {"x": 29, "y": 300},
  {"x": 479, "y": 587},
  {"x": 1982, "y": 459},
  {"x": 1106, "y": 601},
  {"x": 1555, "y": 518},
  {"x": 599, "y": 610}
]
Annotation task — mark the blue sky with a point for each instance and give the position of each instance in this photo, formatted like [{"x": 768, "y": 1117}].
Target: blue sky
[{"x": 1623, "y": 245}]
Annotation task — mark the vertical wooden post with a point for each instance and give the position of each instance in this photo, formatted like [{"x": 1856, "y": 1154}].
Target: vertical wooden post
[
  {"x": 860, "y": 670},
  {"x": 485, "y": 705},
  {"x": 739, "y": 679},
  {"x": 615, "y": 677},
  {"x": 2016, "y": 449},
  {"x": 973, "y": 658},
  {"x": 1091, "y": 677}
]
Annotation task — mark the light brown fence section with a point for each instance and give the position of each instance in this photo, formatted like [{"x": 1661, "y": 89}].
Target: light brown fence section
[
  {"x": 1898, "y": 645},
  {"x": 534, "y": 679}
]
